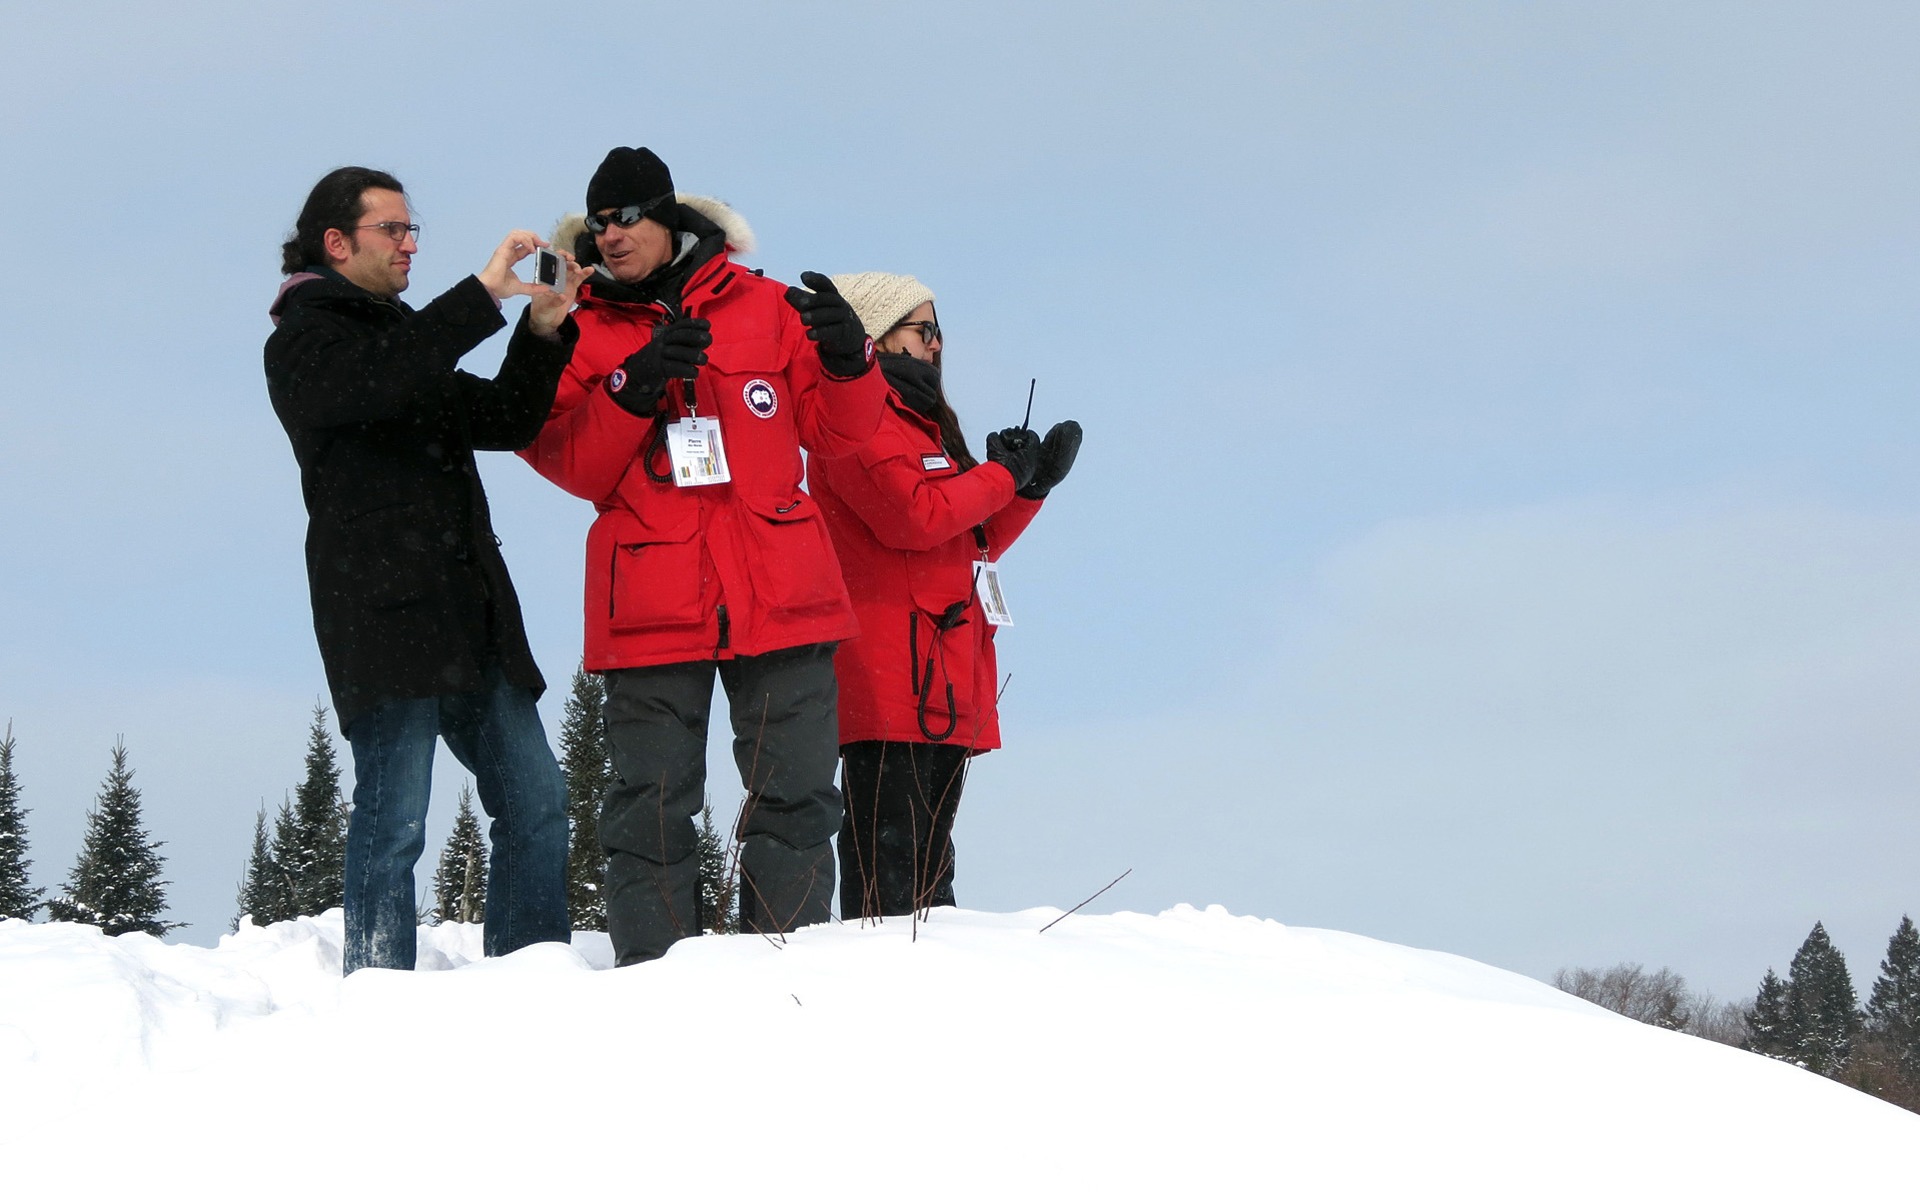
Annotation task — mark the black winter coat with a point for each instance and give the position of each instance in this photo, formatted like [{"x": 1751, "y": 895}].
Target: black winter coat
[{"x": 410, "y": 595}]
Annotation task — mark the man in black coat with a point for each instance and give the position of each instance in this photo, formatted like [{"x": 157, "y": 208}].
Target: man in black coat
[{"x": 418, "y": 625}]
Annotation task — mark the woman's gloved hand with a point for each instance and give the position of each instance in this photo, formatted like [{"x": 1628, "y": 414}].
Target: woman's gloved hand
[
  {"x": 1057, "y": 453},
  {"x": 1018, "y": 450}
]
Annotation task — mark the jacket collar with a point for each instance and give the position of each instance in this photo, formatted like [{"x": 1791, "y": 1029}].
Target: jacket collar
[
  {"x": 275, "y": 309},
  {"x": 324, "y": 285},
  {"x": 706, "y": 280}
]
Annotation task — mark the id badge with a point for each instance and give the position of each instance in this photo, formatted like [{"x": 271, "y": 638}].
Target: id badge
[
  {"x": 993, "y": 601},
  {"x": 693, "y": 442}
]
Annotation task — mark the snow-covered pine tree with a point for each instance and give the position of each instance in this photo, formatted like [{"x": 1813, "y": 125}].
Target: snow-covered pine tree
[
  {"x": 1893, "y": 1010},
  {"x": 585, "y": 761},
  {"x": 116, "y": 883},
  {"x": 1769, "y": 1029},
  {"x": 719, "y": 889},
  {"x": 18, "y": 901},
  {"x": 319, "y": 857},
  {"x": 460, "y": 881},
  {"x": 254, "y": 896},
  {"x": 1822, "y": 1008}
]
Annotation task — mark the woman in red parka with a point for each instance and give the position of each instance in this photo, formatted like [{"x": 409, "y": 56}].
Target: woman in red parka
[{"x": 913, "y": 516}]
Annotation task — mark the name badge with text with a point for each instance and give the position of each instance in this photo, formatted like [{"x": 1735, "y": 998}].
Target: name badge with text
[
  {"x": 993, "y": 600},
  {"x": 699, "y": 458}
]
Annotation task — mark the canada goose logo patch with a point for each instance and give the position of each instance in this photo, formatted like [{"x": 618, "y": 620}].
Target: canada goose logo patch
[{"x": 760, "y": 397}]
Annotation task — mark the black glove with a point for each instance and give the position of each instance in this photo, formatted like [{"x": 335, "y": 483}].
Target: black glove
[
  {"x": 1057, "y": 453},
  {"x": 845, "y": 349},
  {"x": 678, "y": 351},
  {"x": 1016, "y": 449}
]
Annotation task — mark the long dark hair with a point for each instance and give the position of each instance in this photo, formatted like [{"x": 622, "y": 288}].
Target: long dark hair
[
  {"x": 951, "y": 438},
  {"x": 338, "y": 201}
]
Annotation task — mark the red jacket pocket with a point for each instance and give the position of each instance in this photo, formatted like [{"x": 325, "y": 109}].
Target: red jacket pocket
[
  {"x": 657, "y": 577},
  {"x": 793, "y": 564}
]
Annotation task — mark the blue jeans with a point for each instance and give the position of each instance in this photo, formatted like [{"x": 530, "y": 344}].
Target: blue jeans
[{"x": 497, "y": 735}]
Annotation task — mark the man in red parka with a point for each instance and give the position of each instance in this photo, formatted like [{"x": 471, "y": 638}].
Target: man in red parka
[{"x": 691, "y": 392}]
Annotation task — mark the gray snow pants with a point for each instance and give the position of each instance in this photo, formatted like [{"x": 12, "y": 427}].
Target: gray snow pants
[{"x": 783, "y": 706}]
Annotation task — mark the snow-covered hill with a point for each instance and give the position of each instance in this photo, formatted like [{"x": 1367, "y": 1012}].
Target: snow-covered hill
[{"x": 1189, "y": 1053}]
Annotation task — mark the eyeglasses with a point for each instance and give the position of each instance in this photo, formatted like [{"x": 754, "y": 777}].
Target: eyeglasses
[
  {"x": 929, "y": 330},
  {"x": 399, "y": 231},
  {"x": 626, "y": 216}
]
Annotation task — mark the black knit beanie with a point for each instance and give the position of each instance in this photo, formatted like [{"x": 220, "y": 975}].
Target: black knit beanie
[{"x": 633, "y": 175}]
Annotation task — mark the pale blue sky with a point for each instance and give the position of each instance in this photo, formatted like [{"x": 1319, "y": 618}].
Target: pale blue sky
[{"x": 1497, "y": 529}]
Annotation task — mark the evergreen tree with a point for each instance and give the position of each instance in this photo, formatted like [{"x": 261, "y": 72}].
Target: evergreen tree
[
  {"x": 587, "y": 765},
  {"x": 317, "y": 856},
  {"x": 116, "y": 883},
  {"x": 1769, "y": 1030},
  {"x": 719, "y": 890},
  {"x": 254, "y": 898},
  {"x": 1893, "y": 1010},
  {"x": 1821, "y": 1005},
  {"x": 18, "y": 901},
  {"x": 279, "y": 893},
  {"x": 460, "y": 881}
]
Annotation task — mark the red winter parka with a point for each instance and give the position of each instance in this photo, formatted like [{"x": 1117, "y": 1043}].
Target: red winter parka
[
  {"x": 908, "y": 527},
  {"x": 731, "y": 569}
]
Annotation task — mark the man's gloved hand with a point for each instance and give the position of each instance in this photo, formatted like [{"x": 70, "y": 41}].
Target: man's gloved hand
[
  {"x": 845, "y": 348},
  {"x": 1057, "y": 453},
  {"x": 678, "y": 351},
  {"x": 1018, "y": 450}
]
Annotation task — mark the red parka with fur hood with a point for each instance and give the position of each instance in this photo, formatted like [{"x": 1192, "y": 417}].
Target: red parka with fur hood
[
  {"x": 909, "y": 526},
  {"x": 676, "y": 574}
]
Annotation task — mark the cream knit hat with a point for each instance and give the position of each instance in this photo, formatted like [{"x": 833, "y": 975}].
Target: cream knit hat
[{"x": 880, "y": 300}]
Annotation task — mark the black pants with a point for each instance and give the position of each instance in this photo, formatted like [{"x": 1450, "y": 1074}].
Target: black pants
[
  {"x": 782, "y": 707},
  {"x": 896, "y": 839}
]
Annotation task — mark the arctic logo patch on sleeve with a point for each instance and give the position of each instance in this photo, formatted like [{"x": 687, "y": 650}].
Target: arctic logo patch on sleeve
[{"x": 760, "y": 398}]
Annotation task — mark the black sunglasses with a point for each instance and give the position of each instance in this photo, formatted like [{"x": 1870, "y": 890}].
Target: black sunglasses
[
  {"x": 626, "y": 216},
  {"x": 929, "y": 330}
]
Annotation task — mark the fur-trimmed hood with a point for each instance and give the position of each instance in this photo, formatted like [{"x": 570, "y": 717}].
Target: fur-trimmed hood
[{"x": 740, "y": 240}]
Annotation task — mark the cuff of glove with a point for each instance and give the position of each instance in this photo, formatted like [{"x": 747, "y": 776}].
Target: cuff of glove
[
  {"x": 842, "y": 367},
  {"x": 635, "y": 399},
  {"x": 1034, "y": 491}
]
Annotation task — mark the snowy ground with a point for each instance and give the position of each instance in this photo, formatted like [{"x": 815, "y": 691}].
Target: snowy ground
[{"x": 1190, "y": 1053}]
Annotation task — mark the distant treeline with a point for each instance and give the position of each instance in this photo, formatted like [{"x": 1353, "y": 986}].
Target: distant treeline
[
  {"x": 296, "y": 868},
  {"x": 1812, "y": 1018}
]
